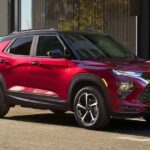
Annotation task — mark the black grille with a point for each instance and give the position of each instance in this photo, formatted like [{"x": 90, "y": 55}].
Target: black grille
[
  {"x": 146, "y": 75},
  {"x": 145, "y": 96},
  {"x": 125, "y": 94}
]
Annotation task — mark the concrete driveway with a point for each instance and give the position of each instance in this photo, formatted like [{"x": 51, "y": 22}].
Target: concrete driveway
[{"x": 29, "y": 129}]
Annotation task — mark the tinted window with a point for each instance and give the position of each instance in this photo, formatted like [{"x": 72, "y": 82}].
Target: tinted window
[
  {"x": 47, "y": 44},
  {"x": 96, "y": 46},
  {"x": 21, "y": 46}
]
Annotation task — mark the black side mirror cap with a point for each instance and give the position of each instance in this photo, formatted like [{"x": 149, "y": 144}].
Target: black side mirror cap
[{"x": 57, "y": 53}]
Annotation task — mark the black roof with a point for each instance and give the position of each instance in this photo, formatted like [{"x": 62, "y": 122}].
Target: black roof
[{"x": 16, "y": 34}]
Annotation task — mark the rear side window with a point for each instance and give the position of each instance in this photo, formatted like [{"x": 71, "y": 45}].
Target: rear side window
[{"x": 21, "y": 46}]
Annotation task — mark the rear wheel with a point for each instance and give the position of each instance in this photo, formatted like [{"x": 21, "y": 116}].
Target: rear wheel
[
  {"x": 4, "y": 107},
  {"x": 89, "y": 108}
]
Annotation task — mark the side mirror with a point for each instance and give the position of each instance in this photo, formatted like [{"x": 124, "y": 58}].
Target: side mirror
[{"x": 57, "y": 53}]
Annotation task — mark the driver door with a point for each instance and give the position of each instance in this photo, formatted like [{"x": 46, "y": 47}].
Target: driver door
[{"x": 49, "y": 74}]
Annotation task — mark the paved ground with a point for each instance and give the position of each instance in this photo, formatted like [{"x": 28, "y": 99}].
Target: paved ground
[{"x": 28, "y": 129}]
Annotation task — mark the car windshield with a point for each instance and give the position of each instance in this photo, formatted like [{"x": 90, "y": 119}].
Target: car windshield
[{"x": 97, "y": 46}]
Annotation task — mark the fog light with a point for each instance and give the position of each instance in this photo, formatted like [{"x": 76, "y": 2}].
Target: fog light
[{"x": 125, "y": 88}]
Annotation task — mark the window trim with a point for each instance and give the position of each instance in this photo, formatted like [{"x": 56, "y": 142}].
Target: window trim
[
  {"x": 7, "y": 50},
  {"x": 52, "y": 35}
]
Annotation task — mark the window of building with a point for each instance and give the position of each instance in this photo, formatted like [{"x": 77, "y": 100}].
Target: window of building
[
  {"x": 110, "y": 16},
  {"x": 26, "y": 14},
  {"x": 21, "y": 46},
  {"x": 47, "y": 44}
]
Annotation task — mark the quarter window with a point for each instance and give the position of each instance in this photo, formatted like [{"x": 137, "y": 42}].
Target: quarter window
[
  {"x": 21, "y": 46},
  {"x": 47, "y": 44}
]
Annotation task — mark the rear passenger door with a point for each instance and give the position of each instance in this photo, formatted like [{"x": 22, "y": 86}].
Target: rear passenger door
[
  {"x": 18, "y": 64},
  {"x": 48, "y": 73}
]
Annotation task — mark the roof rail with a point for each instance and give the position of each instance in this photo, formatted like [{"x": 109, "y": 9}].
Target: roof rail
[{"x": 34, "y": 30}]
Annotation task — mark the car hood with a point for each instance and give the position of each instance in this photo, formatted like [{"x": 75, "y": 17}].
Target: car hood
[{"x": 137, "y": 65}]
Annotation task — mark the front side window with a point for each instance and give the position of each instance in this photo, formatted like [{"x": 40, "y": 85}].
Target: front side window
[
  {"x": 47, "y": 44},
  {"x": 96, "y": 46},
  {"x": 21, "y": 46}
]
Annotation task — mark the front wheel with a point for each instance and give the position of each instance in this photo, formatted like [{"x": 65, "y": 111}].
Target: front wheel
[
  {"x": 4, "y": 108},
  {"x": 89, "y": 108}
]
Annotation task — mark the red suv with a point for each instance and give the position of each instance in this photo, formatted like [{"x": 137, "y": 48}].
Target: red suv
[{"x": 88, "y": 73}]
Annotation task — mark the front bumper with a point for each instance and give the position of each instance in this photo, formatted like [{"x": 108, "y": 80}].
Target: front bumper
[
  {"x": 145, "y": 96},
  {"x": 145, "y": 112},
  {"x": 132, "y": 109},
  {"x": 137, "y": 103}
]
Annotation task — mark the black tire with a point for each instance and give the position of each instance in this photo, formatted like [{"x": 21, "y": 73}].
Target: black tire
[
  {"x": 4, "y": 107},
  {"x": 94, "y": 108},
  {"x": 56, "y": 111},
  {"x": 147, "y": 118}
]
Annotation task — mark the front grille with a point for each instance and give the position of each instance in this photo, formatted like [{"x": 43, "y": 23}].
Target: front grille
[
  {"x": 145, "y": 96},
  {"x": 146, "y": 75},
  {"x": 125, "y": 94}
]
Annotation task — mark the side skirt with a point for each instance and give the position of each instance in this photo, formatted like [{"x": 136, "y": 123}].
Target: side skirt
[{"x": 36, "y": 101}]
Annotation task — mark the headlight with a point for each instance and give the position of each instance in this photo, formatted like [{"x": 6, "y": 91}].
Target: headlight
[
  {"x": 126, "y": 73},
  {"x": 125, "y": 88},
  {"x": 137, "y": 75}
]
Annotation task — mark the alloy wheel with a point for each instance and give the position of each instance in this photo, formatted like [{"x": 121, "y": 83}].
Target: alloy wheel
[{"x": 87, "y": 109}]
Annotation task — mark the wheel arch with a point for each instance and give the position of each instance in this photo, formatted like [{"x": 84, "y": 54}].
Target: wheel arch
[{"x": 83, "y": 80}]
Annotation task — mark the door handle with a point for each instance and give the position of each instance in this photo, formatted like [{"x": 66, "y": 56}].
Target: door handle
[
  {"x": 3, "y": 61},
  {"x": 35, "y": 63}
]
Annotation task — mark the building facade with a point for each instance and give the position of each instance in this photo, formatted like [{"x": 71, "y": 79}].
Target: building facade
[
  {"x": 3, "y": 17},
  {"x": 126, "y": 20}
]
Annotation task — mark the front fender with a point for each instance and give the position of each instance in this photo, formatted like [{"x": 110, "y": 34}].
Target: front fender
[{"x": 89, "y": 78}]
